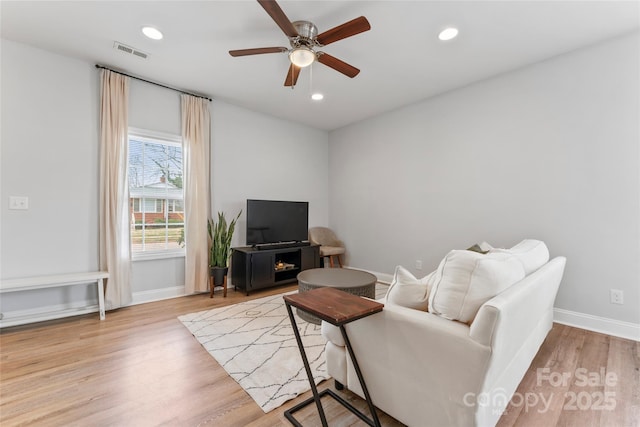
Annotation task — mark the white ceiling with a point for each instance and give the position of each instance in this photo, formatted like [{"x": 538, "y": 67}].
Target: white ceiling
[{"x": 401, "y": 59}]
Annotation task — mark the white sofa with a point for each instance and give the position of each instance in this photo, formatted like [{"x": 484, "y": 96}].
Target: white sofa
[{"x": 426, "y": 370}]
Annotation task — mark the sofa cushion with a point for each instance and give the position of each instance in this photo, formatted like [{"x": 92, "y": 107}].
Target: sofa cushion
[
  {"x": 533, "y": 254},
  {"x": 465, "y": 280},
  {"x": 408, "y": 291}
]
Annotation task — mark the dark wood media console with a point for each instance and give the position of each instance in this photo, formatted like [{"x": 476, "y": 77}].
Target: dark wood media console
[{"x": 253, "y": 268}]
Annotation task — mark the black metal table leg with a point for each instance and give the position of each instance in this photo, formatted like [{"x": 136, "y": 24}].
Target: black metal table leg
[
  {"x": 316, "y": 396},
  {"x": 376, "y": 421}
]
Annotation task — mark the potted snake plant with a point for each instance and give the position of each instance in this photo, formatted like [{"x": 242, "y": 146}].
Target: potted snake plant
[{"x": 220, "y": 234}]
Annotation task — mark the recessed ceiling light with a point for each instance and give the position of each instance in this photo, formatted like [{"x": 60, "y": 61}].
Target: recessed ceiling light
[
  {"x": 317, "y": 96},
  {"x": 152, "y": 33},
  {"x": 448, "y": 34}
]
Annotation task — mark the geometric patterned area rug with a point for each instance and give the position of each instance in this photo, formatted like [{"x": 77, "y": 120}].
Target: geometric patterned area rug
[{"x": 254, "y": 342}]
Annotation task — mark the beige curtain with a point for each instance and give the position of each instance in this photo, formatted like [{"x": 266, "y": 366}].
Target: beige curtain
[
  {"x": 195, "y": 151},
  {"x": 115, "y": 248}
]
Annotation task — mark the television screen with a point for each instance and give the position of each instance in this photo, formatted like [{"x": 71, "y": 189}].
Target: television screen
[{"x": 273, "y": 221}]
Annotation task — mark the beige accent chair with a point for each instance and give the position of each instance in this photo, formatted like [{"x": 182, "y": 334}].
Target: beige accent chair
[{"x": 330, "y": 245}]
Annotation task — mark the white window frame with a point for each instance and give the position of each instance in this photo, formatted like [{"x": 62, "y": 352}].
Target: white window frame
[
  {"x": 153, "y": 137},
  {"x": 143, "y": 201},
  {"x": 171, "y": 208}
]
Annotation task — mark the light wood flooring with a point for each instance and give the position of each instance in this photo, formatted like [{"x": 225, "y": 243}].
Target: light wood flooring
[{"x": 142, "y": 367}]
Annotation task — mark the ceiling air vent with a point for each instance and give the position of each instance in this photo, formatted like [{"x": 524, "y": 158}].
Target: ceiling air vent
[{"x": 130, "y": 50}]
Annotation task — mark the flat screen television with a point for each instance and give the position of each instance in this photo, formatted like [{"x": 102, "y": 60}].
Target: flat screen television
[{"x": 274, "y": 221}]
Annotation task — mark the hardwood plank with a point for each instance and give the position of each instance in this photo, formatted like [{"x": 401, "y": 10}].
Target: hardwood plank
[
  {"x": 142, "y": 367},
  {"x": 623, "y": 360},
  {"x": 582, "y": 404}
]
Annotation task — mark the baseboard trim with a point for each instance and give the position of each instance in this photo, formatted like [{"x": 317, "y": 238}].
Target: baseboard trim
[
  {"x": 616, "y": 328},
  {"x": 50, "y": 312},
  {"x": 383, "y": 278},
  {"x": 152, "y": 295}
]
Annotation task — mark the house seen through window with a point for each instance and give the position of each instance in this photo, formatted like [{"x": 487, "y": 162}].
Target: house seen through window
[{"x": 156, "y": 196}]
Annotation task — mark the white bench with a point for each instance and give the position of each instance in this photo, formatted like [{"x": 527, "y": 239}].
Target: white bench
[{"x": 54, "y": 281}]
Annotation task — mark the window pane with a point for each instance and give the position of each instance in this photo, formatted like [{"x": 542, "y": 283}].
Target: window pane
[
  {"x": 150, "y": 205},
  {"x": 155, "y": 182}
]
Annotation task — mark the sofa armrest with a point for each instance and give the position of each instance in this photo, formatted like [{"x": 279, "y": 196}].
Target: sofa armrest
[
  {"x": 515, "y": 323},
  {"x": 332, "y": 334},
  {"x": 519, "y": 307}
]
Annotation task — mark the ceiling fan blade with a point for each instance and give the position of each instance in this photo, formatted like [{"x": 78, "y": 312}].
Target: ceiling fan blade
[
  {"x": 274, "y": 11},
  {"x": 257, "y": 51},
  {"x": 292, "y": 76},
  {"x": 348, "y": 29},
  {"x": 338, "y": 65}
]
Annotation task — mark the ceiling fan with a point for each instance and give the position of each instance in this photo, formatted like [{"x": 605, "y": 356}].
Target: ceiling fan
[{"x": 303, "y": 38}]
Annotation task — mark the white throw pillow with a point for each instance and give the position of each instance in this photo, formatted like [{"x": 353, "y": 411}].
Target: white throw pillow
[
  {"x": 533, "y": 254},
  {"x": 408, "y": 291},
  {"x": 465, "y": 280}
]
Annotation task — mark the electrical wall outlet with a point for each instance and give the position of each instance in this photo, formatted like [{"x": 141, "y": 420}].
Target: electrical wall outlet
[
  {"x": 617, "y": 296},
  {"x": 418, "y": 265}
]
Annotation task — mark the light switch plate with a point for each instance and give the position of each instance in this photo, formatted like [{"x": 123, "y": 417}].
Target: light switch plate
[{"x": 18, "y": 202}]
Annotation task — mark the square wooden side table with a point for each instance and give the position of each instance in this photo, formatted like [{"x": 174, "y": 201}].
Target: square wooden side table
[{"x": 338, "y": 308}]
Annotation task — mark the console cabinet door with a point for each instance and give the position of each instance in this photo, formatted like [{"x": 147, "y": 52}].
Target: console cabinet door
[
  {"x": 240, "y": 269},
  {"x": 262, "y": 270},
  {"x": 309, "y": 257}
]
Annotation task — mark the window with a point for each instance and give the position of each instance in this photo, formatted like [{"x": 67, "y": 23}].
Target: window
[
  {"x": 147, "y": 205},
  {"x": 156, "y": 196},
  {"x": 176, "y": 206}
]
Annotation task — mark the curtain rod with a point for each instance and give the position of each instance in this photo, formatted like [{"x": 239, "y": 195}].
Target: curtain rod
[{"x": 153, "y": 83}]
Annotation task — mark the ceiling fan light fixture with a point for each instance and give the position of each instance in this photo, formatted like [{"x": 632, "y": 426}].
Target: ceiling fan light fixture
[
  {"x": 448, "y": 34},
  {"x": 317, "y": 96},
  {"x": 302, "y": 56}
]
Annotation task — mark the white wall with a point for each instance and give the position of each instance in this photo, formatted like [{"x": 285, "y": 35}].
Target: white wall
[
  {"x": 255, "y": 156},
  {"x": 49, "y": 152},
  {"x": 549, "y": 152}
]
